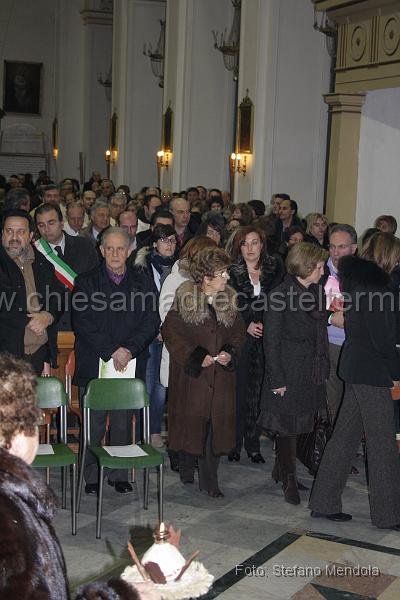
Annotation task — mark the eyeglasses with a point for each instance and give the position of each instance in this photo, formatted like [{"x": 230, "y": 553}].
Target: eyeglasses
[
  {"x": 339, "y": 247},
  {"x": 223, "y": 273},
  {"x": 169, "y": 241}
]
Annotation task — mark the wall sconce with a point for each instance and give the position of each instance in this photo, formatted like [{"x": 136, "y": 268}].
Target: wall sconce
[
  {"x": 163, "y": 159},
  {"x": 107, "y": 157},
  {"x": 54, "y": 138},
  {"x": 238, "y": 163}
]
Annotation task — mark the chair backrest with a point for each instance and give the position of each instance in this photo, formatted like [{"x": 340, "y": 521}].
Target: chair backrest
[
  {"x": 116, "y": 394},
  {"x": 51, "y": 393}
]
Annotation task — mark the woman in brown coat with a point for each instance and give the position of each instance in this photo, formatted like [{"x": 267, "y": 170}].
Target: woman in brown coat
[{"x": 203, "y": 333}]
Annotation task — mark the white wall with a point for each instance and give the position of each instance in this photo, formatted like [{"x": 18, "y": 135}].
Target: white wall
[
  {"x": 285, "y": 66},
  {"x": 379, "y": 167},
  {"x": 53, "y": 33},
  {"x": 201, "y": 93},
  {"x": 137, "y": 98},
  {"x": 27, "y": 33}
]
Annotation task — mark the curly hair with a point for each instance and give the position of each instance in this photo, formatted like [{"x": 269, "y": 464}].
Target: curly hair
[
  {"x": 206, "y": 262},
  {"x": 18, "y": 405}
]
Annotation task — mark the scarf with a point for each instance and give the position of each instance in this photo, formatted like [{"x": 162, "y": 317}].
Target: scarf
[
  {"x": 320, "y": 369},
  {"x": 162, "y": 264}
]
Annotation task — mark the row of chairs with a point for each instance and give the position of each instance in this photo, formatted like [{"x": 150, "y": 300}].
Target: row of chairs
[{"x": 104, "y": 395}]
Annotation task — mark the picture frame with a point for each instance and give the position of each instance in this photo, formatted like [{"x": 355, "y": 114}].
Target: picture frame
[
  {"x": 22, "y": 82},
  {"x": 245, "y": 126}
]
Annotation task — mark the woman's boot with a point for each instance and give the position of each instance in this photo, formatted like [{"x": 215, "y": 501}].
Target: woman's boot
[{"x": 286, "y": 450}]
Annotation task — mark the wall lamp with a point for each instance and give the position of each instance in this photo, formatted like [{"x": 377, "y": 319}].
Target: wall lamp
[
  {"x": 163, "y": 159},
  {"x": 238, "y": 163}
]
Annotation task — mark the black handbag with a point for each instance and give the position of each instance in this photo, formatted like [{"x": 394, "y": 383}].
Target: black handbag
[{"x": 311, "y": 446}]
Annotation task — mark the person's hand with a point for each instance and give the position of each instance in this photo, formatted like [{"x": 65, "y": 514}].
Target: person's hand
[
  {"x": 337, "y": 319},
  {"x": 39, "y": 321},
  {"x": 255, "y": 329},
  {"x": 279, "y": 391},
  {"x": 121, "y": 357},
  {"x": 207, "y": 361},
  {"x": 223, "y": 358}
]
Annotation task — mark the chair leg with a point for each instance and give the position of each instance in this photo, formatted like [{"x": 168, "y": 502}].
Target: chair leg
[
  {"x": 99, "y": 504},
  {"x": 64, "y": 486},
  {"x": 73, "y": 499},
  {"x": 80, "y": 483},
  {"x": 146, "y": 489},
  {"x": 160, "y": 494}
]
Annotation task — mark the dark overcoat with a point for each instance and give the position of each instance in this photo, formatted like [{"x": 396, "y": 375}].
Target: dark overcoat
[
  {"x": 196, "y": 395},
  {"x": 369, "y": 354},
  {"x": 106, "y": 316},
  {"x": 251, "y": 370},
  {"x": 290, "y": 336}
]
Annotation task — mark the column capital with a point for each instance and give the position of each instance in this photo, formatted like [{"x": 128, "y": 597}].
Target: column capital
[{"x": 345, "y": 103}]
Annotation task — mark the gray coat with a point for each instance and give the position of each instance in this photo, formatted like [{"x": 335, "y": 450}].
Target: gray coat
[{"x": 290, "y": 335}]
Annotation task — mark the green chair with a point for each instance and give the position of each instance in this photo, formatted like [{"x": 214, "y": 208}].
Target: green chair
[
  {"x": 119, "y": 394},
  {"x": 51, "y": 395}
]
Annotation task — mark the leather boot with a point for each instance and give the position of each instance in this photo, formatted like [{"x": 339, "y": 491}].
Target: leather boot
[
  {"x": 290, "y": 490},
  {"x": 276, "y": 476},
  {"x": 286, "y": 451}
]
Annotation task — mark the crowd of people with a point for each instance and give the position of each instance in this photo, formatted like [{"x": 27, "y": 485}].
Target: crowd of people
[{"x": 244, "y": 319}]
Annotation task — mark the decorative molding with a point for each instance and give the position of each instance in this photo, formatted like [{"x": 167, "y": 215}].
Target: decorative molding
[
  {"x": 97, "y": 17},
  {"x": 345, "y": 103}
]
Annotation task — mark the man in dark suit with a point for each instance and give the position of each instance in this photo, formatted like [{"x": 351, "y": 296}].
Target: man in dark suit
[
  {"x": 32, "y": 297},
  {"x": 116, "y": 321},
  {"x": 76, "y": 251}
]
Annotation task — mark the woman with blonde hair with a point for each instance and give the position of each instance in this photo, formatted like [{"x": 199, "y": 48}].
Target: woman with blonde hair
[
  {"x": 296, "y": 358},
  {"x": 369, "y": 365},
  {"x": 317, "y": 230}
]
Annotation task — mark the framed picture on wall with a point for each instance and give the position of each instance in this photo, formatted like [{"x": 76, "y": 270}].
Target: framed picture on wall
[{"x": 22, "y": 87}]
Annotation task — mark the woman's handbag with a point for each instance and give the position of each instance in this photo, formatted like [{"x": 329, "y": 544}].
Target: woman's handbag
[{"x": 311, "y": 446}]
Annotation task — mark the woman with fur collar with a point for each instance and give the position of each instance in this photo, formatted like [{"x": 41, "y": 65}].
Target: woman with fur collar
[
  {"x": 179, "y": 461},
  {"x": 253, "y": 274},
  {"x": 203, "y": 333},
  {"x": 156, "y": 262},
  {"x": 369, "y": 365}
]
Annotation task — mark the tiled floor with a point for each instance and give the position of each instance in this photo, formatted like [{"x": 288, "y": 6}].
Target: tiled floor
[{"x": 251, "y": 525}]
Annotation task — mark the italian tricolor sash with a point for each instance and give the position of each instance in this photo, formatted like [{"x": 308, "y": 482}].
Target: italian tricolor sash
[{"x": 63, "y": 272}]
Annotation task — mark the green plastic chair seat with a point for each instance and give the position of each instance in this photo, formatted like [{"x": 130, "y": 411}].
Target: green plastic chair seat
[
  {"x": 154, "y": 458},
  {"x": 62, "y": 457}
]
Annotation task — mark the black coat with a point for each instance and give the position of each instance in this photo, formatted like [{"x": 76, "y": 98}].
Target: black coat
[
  {"x": 81, "y": 256},
  {"x": 290, "y": 341},
  {"x": 13, "y": 318},
  {"x": 369, "y": 353},
  {"x": 128, "y": 318},
  {"x": 250, "y": 372},
  {"x": 79, "y": 253},
  {"x": 32, "y": 563}
]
